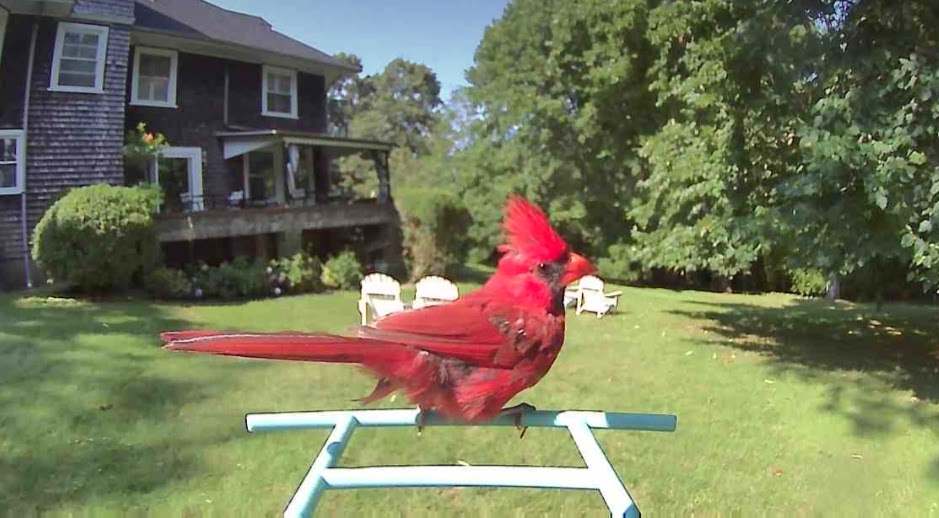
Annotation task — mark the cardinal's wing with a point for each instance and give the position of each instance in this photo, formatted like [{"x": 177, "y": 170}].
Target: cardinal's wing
[{"x": 473, "y": 330}]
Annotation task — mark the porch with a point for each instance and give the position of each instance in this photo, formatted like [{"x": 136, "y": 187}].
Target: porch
[{"x": 281, "y": 187}]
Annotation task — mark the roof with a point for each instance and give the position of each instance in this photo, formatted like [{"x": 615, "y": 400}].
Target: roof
[
  {"x": 240, "y": 142},
  {"x": 202, "y": 20}
]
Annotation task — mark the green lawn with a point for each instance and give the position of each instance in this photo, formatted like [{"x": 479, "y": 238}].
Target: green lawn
[{"x": 785, "y": 407}]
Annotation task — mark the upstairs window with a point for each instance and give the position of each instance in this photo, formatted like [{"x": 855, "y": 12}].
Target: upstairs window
[
  {"x": 78, "y": 61},
  {"x": 279, "y": 92},
  {"x": 12, "y": 161},
  {"x": 154, "y": 79}
]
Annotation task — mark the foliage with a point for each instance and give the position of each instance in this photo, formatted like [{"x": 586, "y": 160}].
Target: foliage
[
  {"x": 242, "y": 277},
  {"x": 868, "y": 193},
  {"x": 811, "y": 283},
  {"x": 399, "y": 105},
  {"x": 435, "y": 223},
  {"x": 168, "y": 283},
  {"x": 299, "y": 273},
  {"x": 739, "y": 139},
  {"x": 343, "y": 271},
  {"x": 140, "y": 143},
  {"x": 619, "y": 264},
  {"x": 99, "y": 238},
  {"x": 558, "y": 99}
]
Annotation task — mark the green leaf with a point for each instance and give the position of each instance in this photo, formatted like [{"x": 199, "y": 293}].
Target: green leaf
[
  {"x": 917, "y": 158},
  {"x": 880, "y": 198}
]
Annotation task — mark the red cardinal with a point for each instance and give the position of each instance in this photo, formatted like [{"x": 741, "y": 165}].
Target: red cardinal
[{"x": 466, "y": 359}]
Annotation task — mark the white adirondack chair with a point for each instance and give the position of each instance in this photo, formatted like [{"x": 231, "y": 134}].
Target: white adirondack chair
[
  {"x": 381, "y": 296},
  {"x": 591, "y": 297},
  {"x": 571, "y": 295},
  {"x": 434, "y": 290}
]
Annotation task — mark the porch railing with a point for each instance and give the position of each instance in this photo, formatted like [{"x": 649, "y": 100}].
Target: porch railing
[
  {"x": 206, "y": 202},
  {"x": 323, "y": 474}
]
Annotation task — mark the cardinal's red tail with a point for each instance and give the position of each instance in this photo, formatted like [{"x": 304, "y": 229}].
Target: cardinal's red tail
[{"x": 287, "y": 346}]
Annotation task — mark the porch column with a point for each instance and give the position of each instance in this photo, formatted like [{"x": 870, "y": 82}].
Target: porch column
[
  {"x": 280, "y": 174},
  {"x": 384, "y": 181}
]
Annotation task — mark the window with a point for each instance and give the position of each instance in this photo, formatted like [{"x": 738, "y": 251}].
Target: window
[
  {"x": 154, "y": 79},
  {"x": 279, "y": 93},
  {"x": 78, "y": 61},
  {"x": 12, "y": 161}
]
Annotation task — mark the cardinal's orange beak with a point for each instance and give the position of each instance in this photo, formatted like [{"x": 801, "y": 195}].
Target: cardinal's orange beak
[{"x": 576, "y": 268}]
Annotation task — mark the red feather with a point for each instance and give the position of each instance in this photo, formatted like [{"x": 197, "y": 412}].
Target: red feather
[{"x": 466, "y": 359}]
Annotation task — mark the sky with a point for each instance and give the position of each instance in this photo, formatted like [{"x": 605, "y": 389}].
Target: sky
[{"x": 442, "y": 34}]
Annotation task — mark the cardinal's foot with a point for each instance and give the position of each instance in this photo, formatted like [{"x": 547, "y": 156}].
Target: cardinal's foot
[
  {"x": 421, "y": 421},
  {"x": 517, "y": 411}
]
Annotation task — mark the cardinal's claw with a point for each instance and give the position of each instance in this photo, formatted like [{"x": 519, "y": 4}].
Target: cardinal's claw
[
  {"x": 421, "y": 421},
  {"x": 517, "y": 411}
]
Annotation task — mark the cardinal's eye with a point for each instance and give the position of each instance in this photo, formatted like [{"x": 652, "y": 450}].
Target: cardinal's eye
[{"x": 542, "y": 267}]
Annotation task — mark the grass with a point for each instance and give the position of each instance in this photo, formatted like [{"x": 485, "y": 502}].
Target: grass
[{"x": 786, "y": 406}]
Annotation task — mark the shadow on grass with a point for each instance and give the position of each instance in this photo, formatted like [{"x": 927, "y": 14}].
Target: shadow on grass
[
  {"x": 863, "y": 356},
  {"x": 85, "y": 403}
]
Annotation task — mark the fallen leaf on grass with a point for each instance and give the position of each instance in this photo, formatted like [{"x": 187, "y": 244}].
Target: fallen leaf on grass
[
  {"x": 689, "y": 353},
  {"x": 856, "y": 456},
  {"x": 769, "y": 381},
  {"x": 777, "y": 472}
]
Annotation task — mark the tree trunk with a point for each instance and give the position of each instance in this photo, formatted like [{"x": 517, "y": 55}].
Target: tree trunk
[{"x": 834, "y": 287}]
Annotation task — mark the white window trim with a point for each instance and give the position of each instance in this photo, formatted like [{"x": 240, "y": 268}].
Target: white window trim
[
  {"x": 102, "y": 32},
  {"x": 3, "y": 30},
  {"x": 294, "y": 94},
  {"x": 171, "y": 89},
  {"x": 194, "y": 155},
  {"x": 20, "y": 137}
]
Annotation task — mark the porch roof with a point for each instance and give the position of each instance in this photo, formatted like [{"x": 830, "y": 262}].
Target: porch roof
[{"x": 237, "y": 143}]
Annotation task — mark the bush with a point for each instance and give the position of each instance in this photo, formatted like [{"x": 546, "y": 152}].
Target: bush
[
  {"x": 300, "y": 273},
  {"x": 168, "y": 283},
  {"x": 436, "y": 226},
  {"x": 243, "y": 277},
  {"x": 808, "y": 283},
  {"x": 99, "y": 238},
  {"x": 342, "y": 271}
]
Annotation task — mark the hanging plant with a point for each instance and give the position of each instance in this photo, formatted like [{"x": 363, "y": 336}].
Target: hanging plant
[
  {"x": 141, "y": 150},
  {"x": 142, "y": 144}
]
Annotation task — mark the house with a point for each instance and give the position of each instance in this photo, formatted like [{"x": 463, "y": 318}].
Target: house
[{"x": 250, "y": 169}]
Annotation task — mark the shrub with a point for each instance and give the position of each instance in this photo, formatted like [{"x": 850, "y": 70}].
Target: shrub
[
  {"x": 168, "y": 283},
  {"x": 342, "y": 271},
  {"x": 807, "y": 282},
  {"x": 243, "y": 277},
  {"x": 99, "y": 237},
  {"x": 300, "y": 273},
  {"x": 436, "y": 225}
]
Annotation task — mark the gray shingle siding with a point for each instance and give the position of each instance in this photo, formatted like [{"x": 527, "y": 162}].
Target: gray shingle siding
[{"x": 74, "y": 138}]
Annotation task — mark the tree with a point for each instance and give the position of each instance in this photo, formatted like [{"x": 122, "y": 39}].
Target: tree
[
  {"x": 562, "y": 91},
  {"x": 867, "y": 196},
  {"x": 730, "y": 78}
]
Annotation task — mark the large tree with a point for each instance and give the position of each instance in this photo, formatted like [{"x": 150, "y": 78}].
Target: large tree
[
  {"x": 561, "y": 89},
  {"x": 731, "y": 79},
  {"x": 867, "y": 194}
]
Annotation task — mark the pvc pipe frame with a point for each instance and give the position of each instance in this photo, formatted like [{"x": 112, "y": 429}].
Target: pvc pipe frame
[{"x": 599, "y": 475}]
